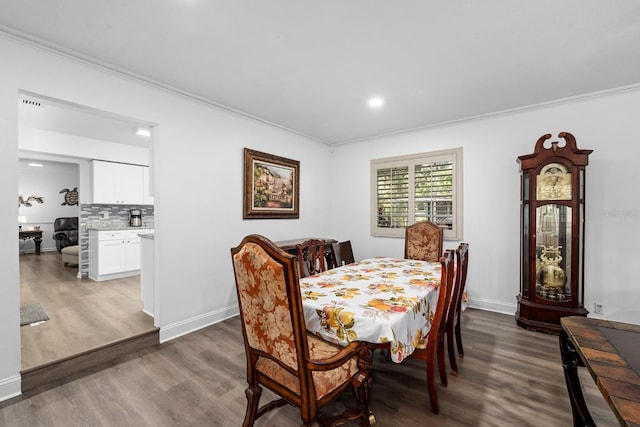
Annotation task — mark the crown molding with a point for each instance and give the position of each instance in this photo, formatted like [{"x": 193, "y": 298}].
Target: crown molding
[
  {"x": 91, "y": 62},
  {"x": 501, "y": 113},
  {"x": 71, "y": 55}
]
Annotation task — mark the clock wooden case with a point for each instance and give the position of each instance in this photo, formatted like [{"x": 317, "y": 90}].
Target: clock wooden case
[{"x": 552, "y": 210}]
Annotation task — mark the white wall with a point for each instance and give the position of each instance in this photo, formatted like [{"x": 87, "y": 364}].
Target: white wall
[
  {"x": 197, "y": 167},
  {"x": 9, "y": 290},
  {"x": 609, "y": 125}
]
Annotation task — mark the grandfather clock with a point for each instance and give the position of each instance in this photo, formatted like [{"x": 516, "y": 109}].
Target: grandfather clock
[{"x": 552, "y": 197}]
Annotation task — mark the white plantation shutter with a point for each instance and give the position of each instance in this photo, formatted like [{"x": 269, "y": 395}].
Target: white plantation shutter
[
  {"x": 421, "y": 187},
  {"x": 434, "y": 193},
  {"x": 393, "y": 197}
]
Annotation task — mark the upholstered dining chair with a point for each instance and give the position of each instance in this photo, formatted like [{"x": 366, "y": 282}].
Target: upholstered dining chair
[
  {"x": 343, "y": 253},
  {"x": 302, "y": 369},
  {"x": 453, "y": 315},
  {"x": 312, "y": 258},
  {"x": 431, "y": 347},
  {"x": 423, "y": 241}
]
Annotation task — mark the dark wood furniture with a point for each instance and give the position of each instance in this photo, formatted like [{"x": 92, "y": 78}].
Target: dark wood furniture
[
  {"x": 452, "y": 327},
  {"x": 431, "y": 349},
  {"x": 552, "y": 218},
  {"x": 423, "y": 241},
  {"x": 301, "y": 368},
  {"x": 35, "y": 235},
  {"x": 312, "y": 259},
  {"x": 343, "y": 253},
  {"x": 610, "y": 351},
  {"x": 65, "y": 232},
  {"x": 291, "y": 246}
]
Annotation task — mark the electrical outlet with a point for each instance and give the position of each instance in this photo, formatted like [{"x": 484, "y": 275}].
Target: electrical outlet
[{"x": 598, "y": 308}]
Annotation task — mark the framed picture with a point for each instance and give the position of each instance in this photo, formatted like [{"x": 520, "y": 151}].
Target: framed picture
[{"x": 271, "y": 186}]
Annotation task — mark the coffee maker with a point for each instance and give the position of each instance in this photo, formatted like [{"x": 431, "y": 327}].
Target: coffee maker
[{"x": 135, "y": 218}]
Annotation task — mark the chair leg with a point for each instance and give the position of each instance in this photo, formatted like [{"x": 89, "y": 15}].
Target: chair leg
[
  {"x": 363, "y": 389},
  {"x": 431, "y": 384},
  {"x": 451, "y": 350},
  {"x": 253, "y": 399},
  {"x": 366, "y": 417},
  {"x": 442, "y": 368},
  {"x": 459, "y": 337}
]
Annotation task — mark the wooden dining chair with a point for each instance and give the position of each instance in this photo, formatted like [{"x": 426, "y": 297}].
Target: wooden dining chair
[
  {"x": 431, "y": 347},
  {"x": 453, "y": 316},
  {"x": 301, "y": 368},
  {"x": 312, "y": 258},
  {"x": 423, "y": 241},
  {"x": 343, "y": 253}
]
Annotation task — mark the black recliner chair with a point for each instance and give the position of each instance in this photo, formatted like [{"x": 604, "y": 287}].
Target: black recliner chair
[{"x": 65, "y": 232}]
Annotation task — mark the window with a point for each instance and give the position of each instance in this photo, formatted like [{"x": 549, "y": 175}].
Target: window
[{"x": 419, "y": 187}]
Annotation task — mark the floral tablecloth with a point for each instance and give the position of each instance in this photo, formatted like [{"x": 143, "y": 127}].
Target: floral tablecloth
[{"x": 377, "y": 300}]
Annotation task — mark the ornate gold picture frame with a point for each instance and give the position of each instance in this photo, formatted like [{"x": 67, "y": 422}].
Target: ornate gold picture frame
[{"x": 271, "y": 186}]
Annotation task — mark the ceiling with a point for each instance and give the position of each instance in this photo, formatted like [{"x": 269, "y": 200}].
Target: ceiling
[
  {"x": 310, "y": 67},
  {"x": 43, "y": 113}
]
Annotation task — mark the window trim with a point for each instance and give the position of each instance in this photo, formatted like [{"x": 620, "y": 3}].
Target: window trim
[{"x": 454, "y": 154}]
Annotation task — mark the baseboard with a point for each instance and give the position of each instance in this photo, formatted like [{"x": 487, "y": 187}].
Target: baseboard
[
  {"x": 492, "y": 305},
  {"x": 121, "y": 275},
  {"x": 10, "y": 387},
  {"x": 167, "y": 333}
]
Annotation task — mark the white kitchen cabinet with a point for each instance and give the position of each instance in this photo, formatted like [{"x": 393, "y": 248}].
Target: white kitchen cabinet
[
  {"x": 132, "y": 253},
  {"x": 114, "y": 254},
  {"x": 118, "y": 183}
]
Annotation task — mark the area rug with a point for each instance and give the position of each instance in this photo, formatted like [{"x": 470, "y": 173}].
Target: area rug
[{"x": 32, "y": 313}]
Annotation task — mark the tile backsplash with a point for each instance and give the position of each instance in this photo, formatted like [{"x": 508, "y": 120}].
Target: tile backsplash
[{"x": 106, "y": 217}]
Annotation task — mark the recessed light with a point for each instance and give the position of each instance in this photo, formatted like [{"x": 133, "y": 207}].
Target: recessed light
[
  {"x": 143, "y": 132},
  {"x": 35, "y": 165},
  {"x": 376, "y": 102}
]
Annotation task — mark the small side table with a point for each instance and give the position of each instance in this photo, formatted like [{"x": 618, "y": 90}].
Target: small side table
[
  {"x": 35, "y": 235},
  {"x": 610, "y": 352}
]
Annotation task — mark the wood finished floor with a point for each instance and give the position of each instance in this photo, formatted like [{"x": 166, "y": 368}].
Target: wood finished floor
[
  {"x": 83, "y": 314},
  {"x": 508, "y": 377}
]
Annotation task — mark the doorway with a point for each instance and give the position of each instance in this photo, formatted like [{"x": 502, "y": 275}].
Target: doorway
[{"x": 83, "y": 314}]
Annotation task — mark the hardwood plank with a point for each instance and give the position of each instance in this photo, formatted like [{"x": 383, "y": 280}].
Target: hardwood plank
[
  {"x": 83, "y": 314},
  {"x": 508, "y": 377}
]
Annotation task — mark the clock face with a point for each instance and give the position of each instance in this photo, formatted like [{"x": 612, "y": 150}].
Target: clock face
[{"x": 553, "y": 183}]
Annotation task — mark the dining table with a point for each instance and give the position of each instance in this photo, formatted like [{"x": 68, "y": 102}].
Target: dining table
[{"x": 380, "y": 300}]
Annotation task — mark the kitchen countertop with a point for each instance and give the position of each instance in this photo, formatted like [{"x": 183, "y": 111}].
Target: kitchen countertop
[{"x": 113, "y": 227}]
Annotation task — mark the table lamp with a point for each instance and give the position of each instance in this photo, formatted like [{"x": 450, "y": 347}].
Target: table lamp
[{"x": 21, "y": 220}]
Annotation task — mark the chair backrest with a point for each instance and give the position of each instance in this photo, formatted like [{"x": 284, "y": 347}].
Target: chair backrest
[
  {"x": 65, "y": 223},
  {"x": 311, "y": 257},
  {"x": 458, "y": 272},
  {"x": 462, "y": 262},
  {"x": 270, "y": 304},
  {"x": 423, "y": 241},
  {"x": 65, "y": 232},
  {"x": 444, "y": 297},
  {"x": 343, "y": 253}
]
